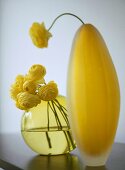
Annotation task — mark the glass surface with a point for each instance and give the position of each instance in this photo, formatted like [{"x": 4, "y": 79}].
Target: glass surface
[
  {"x": 47, "y": 133},
  {"x": 93, "y": 96}
]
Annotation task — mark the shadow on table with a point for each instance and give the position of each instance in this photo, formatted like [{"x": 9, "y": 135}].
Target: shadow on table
[{"x": 60, "y": 162}]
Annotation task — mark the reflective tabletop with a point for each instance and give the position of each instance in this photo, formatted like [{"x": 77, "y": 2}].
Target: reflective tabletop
[{"x": 15, "y": 155}]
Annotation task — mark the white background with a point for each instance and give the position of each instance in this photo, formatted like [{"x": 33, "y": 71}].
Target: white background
[{"x": 17, "y": 53}]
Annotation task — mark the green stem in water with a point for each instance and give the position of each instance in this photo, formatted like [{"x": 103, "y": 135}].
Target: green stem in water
[
  {"x": 63, "y": 15},
  {"x": 55, "y": 106},
  {"x": 68, "y": 143},
  {"x": 48, "y": 139},
  {"x": 71, "y": 139}
]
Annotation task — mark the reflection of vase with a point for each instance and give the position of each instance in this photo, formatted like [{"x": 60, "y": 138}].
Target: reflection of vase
[
  {"x": 46, "y": 131},
  {"x": 93, "y": 96},
  {"x": 95, "y": 168},
  {"x": 60, "y": 162}
]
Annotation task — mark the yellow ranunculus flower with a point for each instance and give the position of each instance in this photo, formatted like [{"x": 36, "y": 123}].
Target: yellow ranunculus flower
[
  {"x": 36, "y": 72},
  {"x": 30, "y": 86},
  {"x": 17, "y": 87},
  {"x": 48, "y": 92},
  {"x": 39, "y": 35},
  {"x": 29, "y": 90},
  {"x": 19, "y": 78},
  {"x": 26, "y": 100},
  {"x": 14, "y": 91},
  {"x": 20, "y": 106},
  {"x": 41, "y": 81}
]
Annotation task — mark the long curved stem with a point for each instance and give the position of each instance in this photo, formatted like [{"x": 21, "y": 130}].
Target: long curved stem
[{"x": 61, "y": 16}]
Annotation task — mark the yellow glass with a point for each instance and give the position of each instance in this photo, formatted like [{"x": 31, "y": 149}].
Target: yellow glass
[
  {"x": 47, "y": 133},
  {"x": 93, "y": 96}
]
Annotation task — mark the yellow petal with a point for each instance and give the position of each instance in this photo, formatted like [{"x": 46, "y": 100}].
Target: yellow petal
[
  {"x": 17, "y": 86},
  {"x": 29, "y": 86},
  {"x": 48, "y": 92},
  {"x": 26, "y": 100},
  {"x": 36, "y": 72},
  {"x": 39, "y": 35}
]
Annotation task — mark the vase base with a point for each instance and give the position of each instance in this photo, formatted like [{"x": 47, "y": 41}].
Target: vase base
[{"x": 99, "y": 160}]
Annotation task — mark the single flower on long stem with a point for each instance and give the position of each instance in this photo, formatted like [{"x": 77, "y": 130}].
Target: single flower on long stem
[{"x": 40, "y": 35}]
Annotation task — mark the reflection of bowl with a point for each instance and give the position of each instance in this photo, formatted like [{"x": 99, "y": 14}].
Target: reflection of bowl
[
  {"x": 60, "y": 162},
  {"x": 96, "y": 168}
]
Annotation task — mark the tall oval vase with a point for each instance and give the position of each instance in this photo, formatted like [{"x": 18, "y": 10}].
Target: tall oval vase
[{"x": 93, "y": 96}]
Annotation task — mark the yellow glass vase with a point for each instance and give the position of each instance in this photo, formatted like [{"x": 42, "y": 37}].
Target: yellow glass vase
[
  {"x": 93, "y": 96},
  {"x": 46, "y": 130}
]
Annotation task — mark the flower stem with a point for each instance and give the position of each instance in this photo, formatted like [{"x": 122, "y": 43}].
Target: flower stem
[
  {"x": 57, "y": 109},
  {"x": 54, "y": 115},
  {"x": 61, "y": 106},
  {"x": 62, "y": 112},
  {"x": 71, "y": 139},
  {"x": 48, "y": 114},
  {"x": 68, "y": 143},
  {"x": 61, "y": 16},
  {"x": 48, "y": 139}
]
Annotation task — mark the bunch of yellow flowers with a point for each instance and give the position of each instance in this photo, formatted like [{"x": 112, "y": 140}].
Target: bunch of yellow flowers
[{"x": 29, "y": 90}]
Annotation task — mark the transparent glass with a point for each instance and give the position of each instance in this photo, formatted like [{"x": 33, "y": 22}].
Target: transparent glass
[{"x": 46, "y": 130}]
